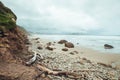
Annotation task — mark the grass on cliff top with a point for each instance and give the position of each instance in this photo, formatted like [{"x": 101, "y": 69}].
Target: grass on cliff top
[{"x": 6, "y": 20}]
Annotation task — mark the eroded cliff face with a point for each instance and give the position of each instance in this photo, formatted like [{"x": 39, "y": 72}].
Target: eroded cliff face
[
  {"x": 12, "y": 45},
  {"x": 12, "y": 39},
  {"x": 12, "y": 48}
]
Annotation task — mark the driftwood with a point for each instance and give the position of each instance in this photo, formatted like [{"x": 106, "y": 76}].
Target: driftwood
[
  {"x": 47, "y": 71},
  {"x": 32, "y": 60},
  {"x": 71, "y": 75}
]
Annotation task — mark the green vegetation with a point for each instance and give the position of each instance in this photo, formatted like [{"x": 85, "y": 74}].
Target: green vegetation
[{"x": 7, "y": 18}]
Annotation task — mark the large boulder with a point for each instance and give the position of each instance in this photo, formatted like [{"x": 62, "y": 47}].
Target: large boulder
[
  {"x": 107, "y": 46},
  {"x": 62, "y": 41},
  {"x": 69, "y": 45}
]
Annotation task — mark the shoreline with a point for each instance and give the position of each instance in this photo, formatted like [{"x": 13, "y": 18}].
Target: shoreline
[
  {"x": 93, "y": 64},
  {"x": 91, "y": 42},
  {"x": 88, "y": 53}
]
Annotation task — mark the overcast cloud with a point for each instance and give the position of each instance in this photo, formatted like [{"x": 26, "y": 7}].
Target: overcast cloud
[{"x": 86, "y": 16}]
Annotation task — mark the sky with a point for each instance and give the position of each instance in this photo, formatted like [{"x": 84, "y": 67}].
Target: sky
[{"x": 98, "y": 17}]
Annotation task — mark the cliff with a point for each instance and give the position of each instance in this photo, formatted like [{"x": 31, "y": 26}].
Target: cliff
[
  {"x": 13, "y": 48},
  {"x": 12, "y": 39}
]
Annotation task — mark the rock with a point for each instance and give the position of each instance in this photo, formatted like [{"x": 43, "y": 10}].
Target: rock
[
  {"x": 69, "y": 45},
  {"x": 49, "y": 48},
  {"x": 1, "y": 33},
  {"x": 49, "y": 44},
  {"x": 38, "y": 42},
  {"x": 74, "y": 52},
  {"x": 40, "y": 47},
  {"x": 64, "y": 49},
  {"x": 28, "y": 43},
  {"x": 107, "y": 46},
  {"x": 36, "y": 38},
  {"x": 77, "y": 43},
  {"x": 62, "y": 41}
]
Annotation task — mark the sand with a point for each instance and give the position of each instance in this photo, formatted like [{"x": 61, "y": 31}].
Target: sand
[{"x": 77, "y": 58}]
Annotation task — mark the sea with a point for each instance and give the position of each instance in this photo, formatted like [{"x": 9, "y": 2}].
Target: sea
[{"x": 89, "y": 41}]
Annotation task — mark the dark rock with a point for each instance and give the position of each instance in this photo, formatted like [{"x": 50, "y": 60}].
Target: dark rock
[
  {"x": 64, "y": 49},
  {"x": 40, "y": 48},
  {"x": 49, "y": 48},
  {"x": 69, "y": 45},
  {"x": 107, "y": 46},
  {"x": 62, "y": 41}
]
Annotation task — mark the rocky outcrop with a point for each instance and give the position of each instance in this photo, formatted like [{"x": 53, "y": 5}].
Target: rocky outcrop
[{"x": 107, "y": 46}]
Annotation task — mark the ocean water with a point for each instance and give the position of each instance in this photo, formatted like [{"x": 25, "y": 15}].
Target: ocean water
[{"x": 88, "y": 41}]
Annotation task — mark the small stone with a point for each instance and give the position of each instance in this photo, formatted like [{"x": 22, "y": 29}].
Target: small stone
[
  {"x": 49, "y": 48},
  {"x": 69, "y": 45},
  {"x": 76, "y": 52},
  {"x": 77, "y": 43},
  {"x": 64, "y": 49},
  {"x": 28, "y": 43},
  {"x": 35, "y": 38},
  {"x": 72, "y": 53},
  {"x": 40, "y": 48},
  {"x": 62, "y": 41},
  {"x": 49, "y": 44},
  {"x": 38, "y": 42}
]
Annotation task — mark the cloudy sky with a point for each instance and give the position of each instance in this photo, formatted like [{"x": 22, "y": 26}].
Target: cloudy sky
[{"x": 100, "y": 17}]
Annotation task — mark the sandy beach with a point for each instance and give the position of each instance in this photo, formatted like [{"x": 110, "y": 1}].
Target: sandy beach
[{"x": 75, "y": 59}]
